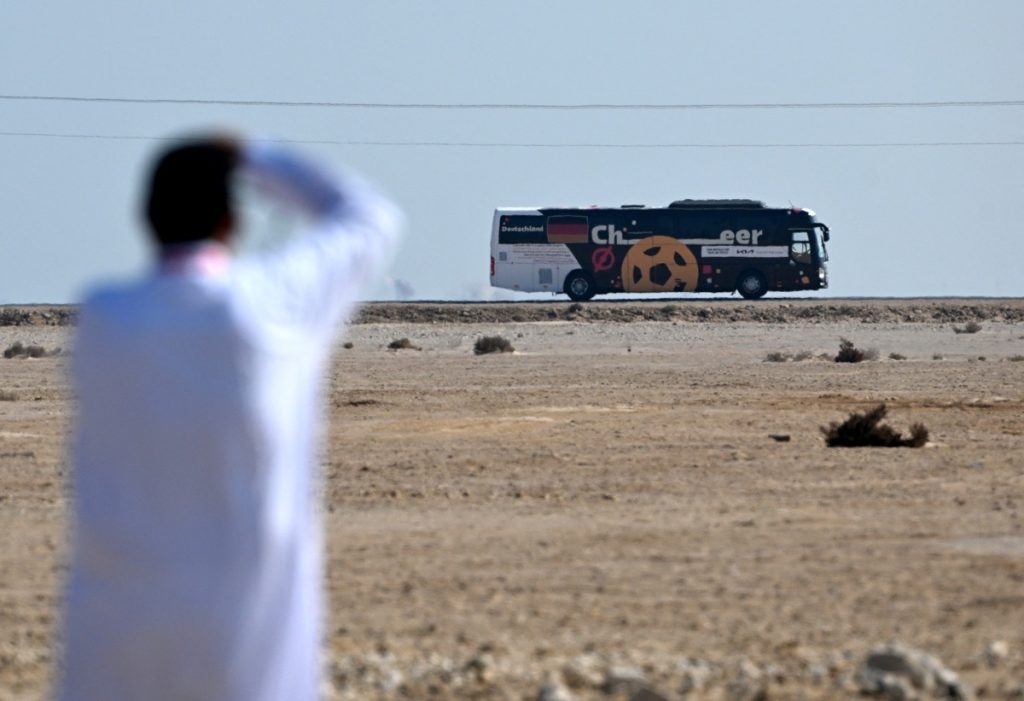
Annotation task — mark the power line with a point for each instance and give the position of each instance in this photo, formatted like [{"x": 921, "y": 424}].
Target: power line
[
  {"x": 522, "y": 106},
  {"x": 552, "y": 145}
]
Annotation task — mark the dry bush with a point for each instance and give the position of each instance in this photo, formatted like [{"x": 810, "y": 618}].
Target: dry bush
[
  {"x": 848, "y": 353},
  {"x": 15, "y": 350},
  {"x": 776, "y": 357},
  {"x": 492, "y": 344},
  {"x": 347, "y": 345},
  {"x": 969, "y": 327},
  {"x": 867, "y": 430},
  {"x": 6, "y": 396},
  {"x": 871, "y": 354},
  {"x": 403, "y": 343},
  {"x": 803, "y": 355},
  {"x": 19, "y": 350},
  {"x": 575, "y": 308},
  {"x": 897, "y": 356},
  {"x": 937, "y": 356},
  {"x": 1016, "y": 358}
]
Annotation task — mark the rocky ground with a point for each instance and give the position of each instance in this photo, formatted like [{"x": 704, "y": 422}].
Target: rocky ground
[
  {"x": 716, "y": 309},
  {"x": 604, "y": 512}
]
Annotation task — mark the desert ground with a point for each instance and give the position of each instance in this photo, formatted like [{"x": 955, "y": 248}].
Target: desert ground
[{"x": 603, "y": 513}]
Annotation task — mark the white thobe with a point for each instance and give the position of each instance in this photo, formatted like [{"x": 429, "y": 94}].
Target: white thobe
[{"x": 196, "y": 548}]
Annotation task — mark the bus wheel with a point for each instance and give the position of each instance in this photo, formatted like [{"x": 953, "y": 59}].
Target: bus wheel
[
  {"x": 579, "y": 286},
  {"x": 752, "y": 285}
]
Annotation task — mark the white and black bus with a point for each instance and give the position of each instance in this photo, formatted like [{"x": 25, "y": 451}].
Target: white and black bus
[{"x": 689, "y": 246}]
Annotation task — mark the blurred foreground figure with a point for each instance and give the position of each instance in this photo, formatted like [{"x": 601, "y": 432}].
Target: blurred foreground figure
[{"x": 196, "y": 566}]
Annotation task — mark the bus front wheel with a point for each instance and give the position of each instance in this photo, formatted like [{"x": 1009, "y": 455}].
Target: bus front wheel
[
  {"x": 579, "y": 286},
  {"x": 752, "y": 285}
]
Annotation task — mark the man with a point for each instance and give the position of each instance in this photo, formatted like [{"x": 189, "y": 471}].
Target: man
[{"x": 196, "y": 549}]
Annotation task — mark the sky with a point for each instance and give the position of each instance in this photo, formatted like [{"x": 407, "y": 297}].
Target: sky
[{"x": 905, "y": 220}]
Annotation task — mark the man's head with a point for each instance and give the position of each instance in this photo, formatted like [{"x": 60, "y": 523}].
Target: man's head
[{"x": 190, "y": 193}]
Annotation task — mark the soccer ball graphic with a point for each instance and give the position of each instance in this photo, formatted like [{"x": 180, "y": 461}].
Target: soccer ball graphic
[{"x": 659, "y": 264}]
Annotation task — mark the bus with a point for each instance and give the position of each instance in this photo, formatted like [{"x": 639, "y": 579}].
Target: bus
[{"x": 690, "y": 246}]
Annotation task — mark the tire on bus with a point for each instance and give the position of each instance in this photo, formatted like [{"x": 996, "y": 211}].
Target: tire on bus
[
  {"x": 579, "y": 285},
  {"x": 751, "y": 284}
]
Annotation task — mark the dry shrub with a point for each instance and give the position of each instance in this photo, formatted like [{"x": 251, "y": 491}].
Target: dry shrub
[
  {"x": 937, "y": 356},
  {"x": 848, "y": 353},
  {"x": 15, "y": 350},
  {"x": 347, "y": 345},
  {"x": 492, "y": 344},
  {"x": 403, "y": 344},
  {"x": 575, "y": 308},
  {"x": 969, "y": 327},
  {"x": 776, "y": 357},
  {"x": 6, "y": 396},
  {"x": 19, "y": 350},
  {"x": 867, "y": 430},
  {"x": 1016, "y": 358},
  {"x": 803, "y": 355},
  {"x": 897, "y": 356}
]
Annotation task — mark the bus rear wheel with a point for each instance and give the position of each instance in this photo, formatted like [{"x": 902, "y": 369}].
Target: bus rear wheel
[
  {"x": 751, "y": 285},
  {"x": 579, "y": 286}
]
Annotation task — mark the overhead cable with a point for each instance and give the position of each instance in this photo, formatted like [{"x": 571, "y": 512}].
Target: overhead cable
[
  {"x": 551, "y": 145},
  {"x": 892, "y": 104}
]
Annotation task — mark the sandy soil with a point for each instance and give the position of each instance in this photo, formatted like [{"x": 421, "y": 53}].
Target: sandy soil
[{"x": 606, "y": 502}]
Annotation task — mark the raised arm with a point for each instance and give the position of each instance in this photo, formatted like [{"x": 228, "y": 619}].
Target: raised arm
[{"x": 316, "y": 277}]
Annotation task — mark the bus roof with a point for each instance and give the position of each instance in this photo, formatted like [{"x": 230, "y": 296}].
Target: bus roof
[{"x": 691, "y": 205}]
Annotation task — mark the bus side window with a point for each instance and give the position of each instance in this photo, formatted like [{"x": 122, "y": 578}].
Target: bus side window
[{"x": 800, "y": 249}]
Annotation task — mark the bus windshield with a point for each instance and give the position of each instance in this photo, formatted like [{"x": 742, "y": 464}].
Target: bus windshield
[{"x": 820, "y": 252}]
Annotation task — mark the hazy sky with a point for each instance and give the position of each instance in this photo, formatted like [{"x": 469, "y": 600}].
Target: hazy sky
[{"x": 905, "y": 220}]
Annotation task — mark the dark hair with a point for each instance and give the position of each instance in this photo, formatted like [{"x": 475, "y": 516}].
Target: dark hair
[{"x": 190, "y": 191}]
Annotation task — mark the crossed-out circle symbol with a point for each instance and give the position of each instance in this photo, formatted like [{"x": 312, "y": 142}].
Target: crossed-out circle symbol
[{"x": 603, "y": 259}]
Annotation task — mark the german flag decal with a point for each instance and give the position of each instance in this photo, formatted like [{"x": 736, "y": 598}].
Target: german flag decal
[{"x": 568, "y": 229}]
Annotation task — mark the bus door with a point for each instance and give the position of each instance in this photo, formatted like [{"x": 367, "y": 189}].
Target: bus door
[{"x": 803, "y": 265}]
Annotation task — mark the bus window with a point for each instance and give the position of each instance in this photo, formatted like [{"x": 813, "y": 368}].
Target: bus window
[
  {"x": 819, "y": 247},
  {"x": 800, "y": 249}
]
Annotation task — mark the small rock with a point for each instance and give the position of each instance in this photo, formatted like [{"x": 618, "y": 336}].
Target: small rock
[
  {"x": 896, "y": 671},
  {"x": 748, "y": 684},
  {"x": 646, "y": 693},
  {"x": 554, "y": 692},
  {"x": 996, "y": 652},
  {"x": 624, "y": 680},
  {"x": 482, "y": 667},
  {"x": 818, "y": 673},
  {"x": 583, "y": 671},
  {"x": 390, "y": 680},
  {"x": 695, "y": 673}
]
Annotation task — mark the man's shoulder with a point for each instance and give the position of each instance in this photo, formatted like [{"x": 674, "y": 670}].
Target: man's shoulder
[{"x": 110, "y": 296}]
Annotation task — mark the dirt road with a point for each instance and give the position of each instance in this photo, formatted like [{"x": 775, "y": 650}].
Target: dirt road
[{"x": 608, "y": 497}]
